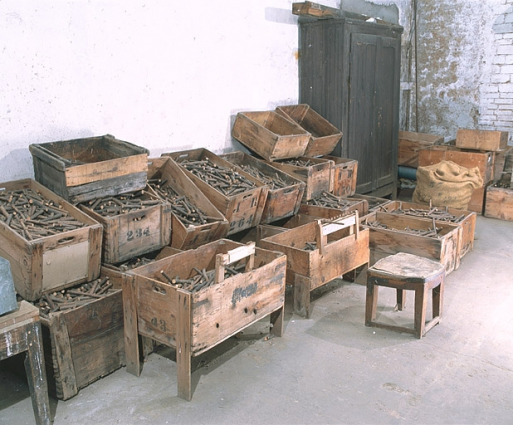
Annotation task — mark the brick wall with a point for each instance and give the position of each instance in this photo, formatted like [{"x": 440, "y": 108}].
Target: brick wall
[{"x": 496, "y": 91}]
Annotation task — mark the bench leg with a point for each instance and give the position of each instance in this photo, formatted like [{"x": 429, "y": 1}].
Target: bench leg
[
  {"x": 371, "y": 302},
  {"x": 277, "y": 321},
  {"x": 183, "y": 347},
  {"x": 401, "y": 299},
  {"x": 131, "y": 332},
  {"x": 438, "y": 296},
  {"x": 302, "y": 295},
  {"x": 36, "y": 374},
  {"x": 420, "y": 310}
]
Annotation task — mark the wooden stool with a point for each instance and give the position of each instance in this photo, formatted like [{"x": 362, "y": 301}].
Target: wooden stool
[
  {"x": 406, "y": 272},
  {"x": 21, "y": 331}
]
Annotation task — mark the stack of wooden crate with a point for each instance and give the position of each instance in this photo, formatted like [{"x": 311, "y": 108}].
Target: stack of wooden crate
[
  {"x": 484, "y": 149},
  {"x": 210, "y": 245},
  {"x": 499, "y": 195}
]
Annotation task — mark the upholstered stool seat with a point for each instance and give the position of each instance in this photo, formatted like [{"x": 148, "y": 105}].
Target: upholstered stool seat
[{"x": 404, "y": 272}]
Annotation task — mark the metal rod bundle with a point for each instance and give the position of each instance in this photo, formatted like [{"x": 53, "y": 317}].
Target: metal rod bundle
[
  {"x": 226, "y": 180},
  {"x": 121, "y": 204},
  {"x": 33, "y": 216},
  {"x": 68, "y": 299}
]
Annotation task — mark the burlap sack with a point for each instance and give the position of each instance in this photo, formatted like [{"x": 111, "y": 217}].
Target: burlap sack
[{"x": 446, "y": 184}]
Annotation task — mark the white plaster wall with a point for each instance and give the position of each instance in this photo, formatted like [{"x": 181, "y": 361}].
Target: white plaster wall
[{"x": 161, "y": 74}]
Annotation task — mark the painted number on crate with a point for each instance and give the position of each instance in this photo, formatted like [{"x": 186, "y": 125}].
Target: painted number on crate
[
  {"x": 137, "y": 233},
  {"x": 161, "y": 324}
]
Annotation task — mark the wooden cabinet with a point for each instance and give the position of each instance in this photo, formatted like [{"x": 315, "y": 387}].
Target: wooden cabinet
[{"x": 349, "y": 73}]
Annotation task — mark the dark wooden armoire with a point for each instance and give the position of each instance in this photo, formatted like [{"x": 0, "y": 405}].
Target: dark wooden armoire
[{"x": 349, "y": 72}]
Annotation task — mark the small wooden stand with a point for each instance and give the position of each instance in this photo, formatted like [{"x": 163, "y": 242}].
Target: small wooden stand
[
  {"x": 21, "y": 331},
  {"x": 403, "y": 272}
]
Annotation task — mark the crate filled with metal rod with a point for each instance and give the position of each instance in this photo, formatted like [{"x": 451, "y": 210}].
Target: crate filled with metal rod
[{"x": 196, "y": 299}]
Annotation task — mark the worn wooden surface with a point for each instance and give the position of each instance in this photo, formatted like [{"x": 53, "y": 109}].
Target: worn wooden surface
[
  {"x": 56, "y": 261},
  {"x": 270, "y": 135},
  {"x": 84, "y": 344},
  {"x": 314, "y": 10},
  {"x": 324, "y": 135},
  {"x": 133, "y": 233},
  {"x": 282, "y": 202},
  {"x": 343, "y": 175},
  {"x": 83, "y": 169},
  {"x": 466, "y": 219},
  {"x": 445, "y": 247},
  {"x": 499, "y": 203},
  {"x": 409, "y": 145},
  {"x": 191, "y": 236},
  {"x": 482, "y": 140},
  {"x": 345, "y": 248},
  {"x": 402, "y": 272},
  {"x": 243, "y": 210},
  {"x": 20, "y": 332},
  {"x": 315, "y": 176},
  {"x": 200, "y": 320}
]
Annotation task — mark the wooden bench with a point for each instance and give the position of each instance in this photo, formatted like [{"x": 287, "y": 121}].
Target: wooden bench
[
  {"x": 21, "y": 331},
  {"x": 403, "y": 272}
]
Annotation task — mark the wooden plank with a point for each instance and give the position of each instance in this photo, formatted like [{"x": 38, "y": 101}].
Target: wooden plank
[
  {"x": 131, "y": 333},
  {"x": 483, "y": 140},
  {"x": 184, "y": 347},
  {"x": 409, "y": 145},
  {"x": 66, "y": 383},
  {"x": 499, "y": 203},
  {"x": 25, "y": 311},
  {"x": 314, "y": 10}
]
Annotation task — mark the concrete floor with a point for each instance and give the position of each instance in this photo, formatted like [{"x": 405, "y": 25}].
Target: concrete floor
[{"x": 329, "y": 369}]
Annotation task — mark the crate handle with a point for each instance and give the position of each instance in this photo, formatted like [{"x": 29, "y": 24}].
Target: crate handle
[
  {"x": 63, "y": 241},
  {"x": 322, "y": 231},
  {"x": 222, "y": 260},
  {"x": 159, "y": 290},
  {"x": 139, "y": 218}
]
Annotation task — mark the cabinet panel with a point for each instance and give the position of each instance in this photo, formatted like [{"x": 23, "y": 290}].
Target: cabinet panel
[{"x": 349, "y": 73}]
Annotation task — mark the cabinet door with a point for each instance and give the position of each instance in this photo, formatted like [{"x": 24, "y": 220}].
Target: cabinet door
[
  {"x": 373, "y": 110},
  {"x": 361, "y": 132}
]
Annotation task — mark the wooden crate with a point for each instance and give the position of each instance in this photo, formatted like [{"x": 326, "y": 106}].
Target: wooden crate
[
  {"x": 89, "y": 168},
  {"x": 343, "y": 175},
  {"x": 51, "y": 262},
  {"x": 359, "y": 205},
  {"x": 130, "y": 234},
  {"x": 464, "y": 157},
  {"x": 482, "y": 140},
  {"x": 118, "y": 272},
  {"x": 243, "y": 210},
  {"x": 445, "y": 247},
  {"x": 270, "y": 135},
  {"x": 499, "y": 202},
  {"x": 281, "y": 202},
  {"x": 186, "y": 236},
  {"x": 84, "y": 344},
  {"x": 409, "y": 145},
  {"x": 195, "y": 322},
  {"x": 316, "y": 176},
  {"x": 374, "y": 203},
  {"x": 324, "y": 135},
  {"x": 503, "y": 163},
  {"x": 465, "y": 219},
  {"x": 341, "y": 247}
]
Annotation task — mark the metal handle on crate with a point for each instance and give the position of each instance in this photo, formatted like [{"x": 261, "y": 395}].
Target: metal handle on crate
[{"x": 232, "y": 256}]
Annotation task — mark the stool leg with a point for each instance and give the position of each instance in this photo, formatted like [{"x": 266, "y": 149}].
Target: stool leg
[
  {"x": 420, "y": 310},
  {"x": 36, "y": 375},
  {"x": 371, "y": 302},
  {"x": 438, "y": 296},
  {"x": 401, "y": 299}
]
